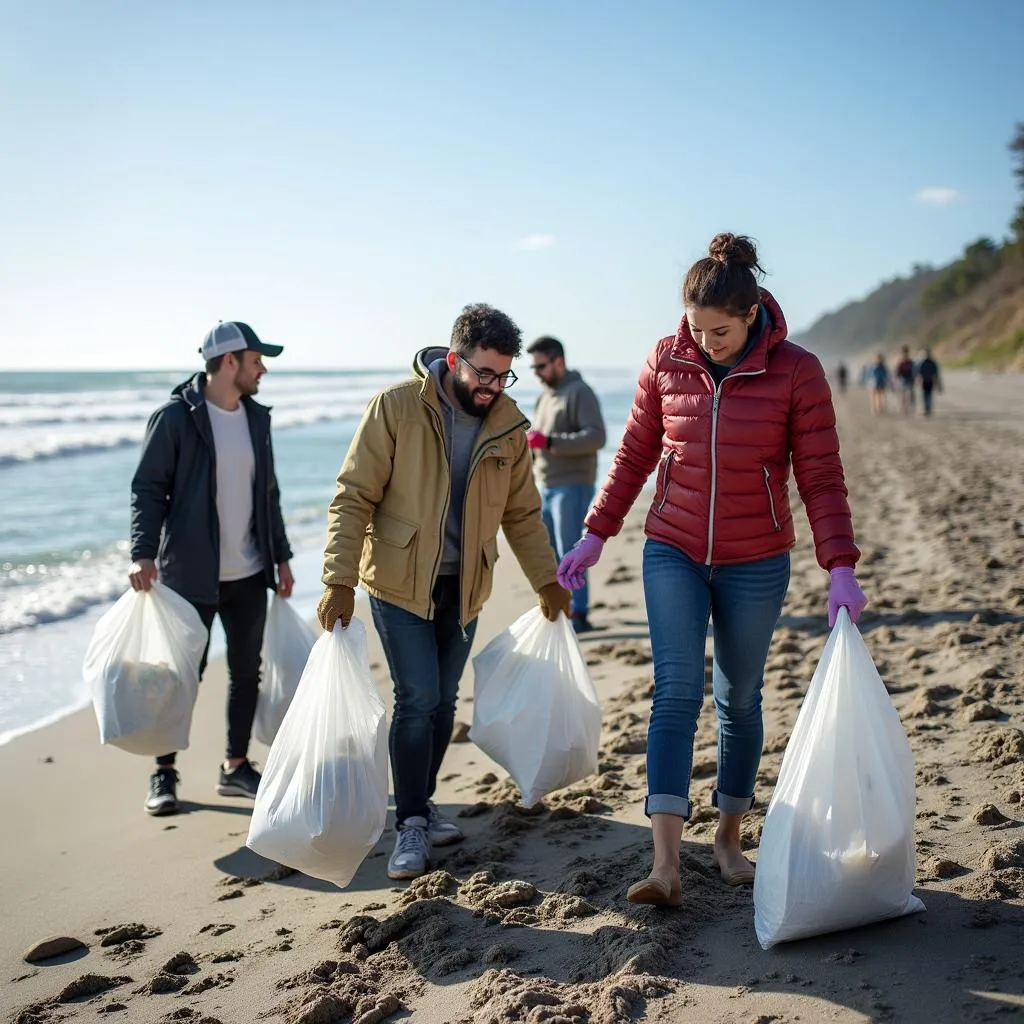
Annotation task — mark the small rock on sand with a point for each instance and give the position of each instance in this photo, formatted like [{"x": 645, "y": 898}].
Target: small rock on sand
[{"x": 54, "y": 945}]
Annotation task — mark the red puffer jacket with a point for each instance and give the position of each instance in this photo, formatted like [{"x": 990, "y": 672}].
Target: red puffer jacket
[{"x": 723, "y": 456}]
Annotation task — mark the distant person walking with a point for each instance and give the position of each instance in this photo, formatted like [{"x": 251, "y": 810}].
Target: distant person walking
[
  {"x": 931, "y": 380},
  {"x": 842, "y": 377},
  {"x": 566, "y": 435},
  {"x": 881, "y": 381},
  {"x": 906, "y": 375},
  {"x": 206, "y": 517}
]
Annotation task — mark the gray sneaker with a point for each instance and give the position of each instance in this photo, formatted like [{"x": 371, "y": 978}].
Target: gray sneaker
[
  {"x": 412, "y": 850},
  {"x": 441, "y": 830}
]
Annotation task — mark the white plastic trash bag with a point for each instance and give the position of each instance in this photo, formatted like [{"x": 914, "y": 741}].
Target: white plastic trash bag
[
  {"x": 142, "y": 667},
  {"x": 837, "y": 846},
  {"x": 323, "y": 801},
  {"x": 535, "y": 710},
  {"x": 287, "y": 642}
]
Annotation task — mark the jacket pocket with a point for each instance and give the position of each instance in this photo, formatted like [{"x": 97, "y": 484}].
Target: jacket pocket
[
  {"x": 389, "y": 556},
  {"x": 773, "y": 503},
  {"x": 483, "y": 576},
  {"x": 666, "y": 468},
  {"x": 496, "y": 480}
]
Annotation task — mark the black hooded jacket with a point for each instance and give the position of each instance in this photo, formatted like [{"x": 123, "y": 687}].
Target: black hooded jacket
[{"x": 174, "y": 495}]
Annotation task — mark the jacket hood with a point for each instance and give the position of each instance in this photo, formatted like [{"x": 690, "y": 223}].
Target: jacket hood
[
  {"x": 193, "y": 393},
  {"x": 191, "y": 390},
  {"x": 774, "y": 334},
  {"x": 422, "y": 360}
]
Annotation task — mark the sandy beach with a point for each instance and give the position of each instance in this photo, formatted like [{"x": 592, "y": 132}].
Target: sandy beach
[{"x": 526, "y": 919}]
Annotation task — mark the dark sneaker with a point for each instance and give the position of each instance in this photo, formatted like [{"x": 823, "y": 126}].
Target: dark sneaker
[
  {"x": 163, "y": 792},
  {"x": 580, "y": 623},
  {"x": 241, "y": 781},
  {"x": 412, "y": 850},
  {"x": 441, "y": 830}
]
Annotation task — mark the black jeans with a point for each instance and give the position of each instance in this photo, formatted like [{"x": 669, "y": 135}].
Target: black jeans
[
  {"x": 426, "y": 659},
  {"x": 243, "y": 614}
]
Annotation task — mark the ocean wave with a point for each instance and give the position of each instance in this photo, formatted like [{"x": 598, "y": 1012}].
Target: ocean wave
[
  {"x": 55, "y": 449},
  {"x": 39, "y": 595},
  {"x": 34, "y": 443}
]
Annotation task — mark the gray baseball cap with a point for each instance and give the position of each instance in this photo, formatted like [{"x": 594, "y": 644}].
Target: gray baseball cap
[{"x": 234, "y": 336}]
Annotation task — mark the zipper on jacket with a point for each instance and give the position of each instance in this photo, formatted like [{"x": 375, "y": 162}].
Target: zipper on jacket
[
  {"x": 439, "y": 426},
  {"x": 714, "y": 471},
  {"x": 478, "y": 457},
  {"x": 664, "y": 480},
  {"x": 714, "y": 439},
  {"x": 208, "y": 440},
  {"x": 771, "y": 499}
]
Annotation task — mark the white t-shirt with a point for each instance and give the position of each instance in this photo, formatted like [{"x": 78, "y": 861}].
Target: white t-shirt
[{"x": 236, "y": 470}]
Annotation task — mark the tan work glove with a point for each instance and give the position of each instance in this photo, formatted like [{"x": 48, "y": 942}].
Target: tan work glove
[
  {"x": 553, "y": 599},
  {"x": 338, "y": 602}
]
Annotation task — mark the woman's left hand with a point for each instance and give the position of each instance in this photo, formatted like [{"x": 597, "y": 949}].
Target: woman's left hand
[{"x": 844, "y": 592}]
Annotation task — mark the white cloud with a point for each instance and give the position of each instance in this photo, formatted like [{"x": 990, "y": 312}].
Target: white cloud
[
  {"x": 938, "y": 195},
  {"x": 532, "y": 242}
]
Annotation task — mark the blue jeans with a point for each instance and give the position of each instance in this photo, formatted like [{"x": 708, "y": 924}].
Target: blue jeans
[
  {"x": 426, "y": 659},
  {"x": 564, "y": 509},
  {"x": 744, "y": 601}
]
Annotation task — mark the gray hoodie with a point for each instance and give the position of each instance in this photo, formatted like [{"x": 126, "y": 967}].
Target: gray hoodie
[
  {"x": 569, "y": 414},
  {"x": 461, "y": 431}
]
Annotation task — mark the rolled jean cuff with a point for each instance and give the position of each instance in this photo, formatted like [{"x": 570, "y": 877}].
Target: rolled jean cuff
[
  {"x": 731, "y": 804},
  {"x": 668, "y": 803}
]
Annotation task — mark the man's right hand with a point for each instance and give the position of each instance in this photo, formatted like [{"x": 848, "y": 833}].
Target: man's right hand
[
  {"x": 338, "y": 602},
  {"x": 142, "y": 575}
]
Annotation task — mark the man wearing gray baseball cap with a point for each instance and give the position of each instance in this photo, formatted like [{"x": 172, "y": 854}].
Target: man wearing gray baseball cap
[{"x": 206, "y": 518}]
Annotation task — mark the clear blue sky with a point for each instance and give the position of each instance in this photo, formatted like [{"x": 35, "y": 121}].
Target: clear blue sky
[{"x": 345, "y": 176}]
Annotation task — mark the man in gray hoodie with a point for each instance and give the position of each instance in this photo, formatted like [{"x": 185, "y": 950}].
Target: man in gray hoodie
[{"x": 567, "y": 433}]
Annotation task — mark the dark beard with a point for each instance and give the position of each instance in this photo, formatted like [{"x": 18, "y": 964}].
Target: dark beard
[
  {"x": 465, "y": 396},
  {"x": 248, "y": 390}
]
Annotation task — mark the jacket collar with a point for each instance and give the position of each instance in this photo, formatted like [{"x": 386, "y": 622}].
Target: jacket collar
[
  {"x": 685, "y": 349},
  {"x": 193, "y": 393},
  {"x": 504, "y": 415}
]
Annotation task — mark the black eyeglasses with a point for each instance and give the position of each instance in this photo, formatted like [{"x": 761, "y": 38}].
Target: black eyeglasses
[{"x": 487, "y": 377}]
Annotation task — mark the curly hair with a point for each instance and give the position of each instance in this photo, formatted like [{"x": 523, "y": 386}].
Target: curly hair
[{"x": 483, "y": 326}]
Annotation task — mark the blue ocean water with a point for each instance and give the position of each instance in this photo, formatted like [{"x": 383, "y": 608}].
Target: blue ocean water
[{"x": 69, "y": 443}]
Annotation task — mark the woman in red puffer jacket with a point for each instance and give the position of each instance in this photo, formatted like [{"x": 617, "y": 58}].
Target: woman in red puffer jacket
[{"x": 722, "y": 410}]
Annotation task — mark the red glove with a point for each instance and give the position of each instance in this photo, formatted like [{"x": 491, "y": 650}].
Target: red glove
[{"x": 535, "y": 439}]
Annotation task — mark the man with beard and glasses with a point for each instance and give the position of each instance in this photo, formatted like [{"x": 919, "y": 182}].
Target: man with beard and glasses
[
  {"x": 437, "y": 466},
  {"x": 206, "y": 518}
]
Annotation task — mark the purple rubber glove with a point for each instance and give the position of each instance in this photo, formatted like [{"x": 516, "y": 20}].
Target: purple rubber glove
[
  {"x": 843, "y": 592},
  {"x": 582, "y": 557}
]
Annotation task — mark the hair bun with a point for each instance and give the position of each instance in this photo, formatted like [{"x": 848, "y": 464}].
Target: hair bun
[{"x": 737, "y": 250}]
